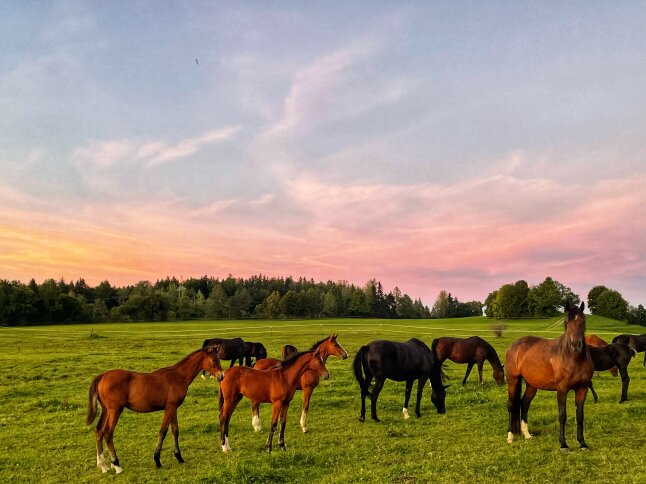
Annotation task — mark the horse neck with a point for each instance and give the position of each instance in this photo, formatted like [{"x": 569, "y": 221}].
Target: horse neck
[
  {"x": 188, "y": 368},
  {"x": 494, "y": 361},
  {"x": 324, "y": 351},
  {"x": 296, "y": 369}
]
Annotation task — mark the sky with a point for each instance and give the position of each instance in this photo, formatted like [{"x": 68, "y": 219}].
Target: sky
[{"x": 433, "y": 146}]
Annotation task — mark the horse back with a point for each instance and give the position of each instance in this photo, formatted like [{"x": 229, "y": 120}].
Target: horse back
[
  {"x": 140, "y": 392},
  {"x": 594, "y": 341},
  {"x": 399, "y": 361}
]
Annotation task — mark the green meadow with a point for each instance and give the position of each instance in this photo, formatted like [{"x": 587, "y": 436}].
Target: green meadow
[{"x": 45, "y": 373}]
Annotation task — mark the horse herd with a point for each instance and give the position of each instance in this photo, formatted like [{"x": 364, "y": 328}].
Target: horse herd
[{"x": 562, "y": 364}]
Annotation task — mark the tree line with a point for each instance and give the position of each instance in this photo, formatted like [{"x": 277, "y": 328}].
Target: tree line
[
  {"x": 206, "y": 297},
  {"x": 520, "y": 300},
  {"x": 259, "y": 296}
]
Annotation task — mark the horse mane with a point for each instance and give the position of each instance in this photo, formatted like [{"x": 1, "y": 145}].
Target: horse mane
[
  {"x": 291, "y": 359},
  {"x": 315, "y": 345}
]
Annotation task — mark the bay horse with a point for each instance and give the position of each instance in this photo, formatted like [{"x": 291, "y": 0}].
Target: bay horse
[
  {"x": 276, "y": 386},
  {"x": 163, "y": 389},
  {"x": 287, "y": 351},
  {"x": 635, "y": 341},
  {"x": 614, "y": 355},
  {"x": 308, "y": 381},
  {"x": 254, "y": 350},
  {"x": 409, "y": 361},
  {"x": 561, "y": 364},
  {"x": 594, "y": 341},
  {"x": 472, "y": 351}
]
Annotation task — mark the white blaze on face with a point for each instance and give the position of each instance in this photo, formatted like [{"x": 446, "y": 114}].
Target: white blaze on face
[
  {"x": 255, "y": 422},
  {"x": 304, "y": 420},
  {"x": 525, "y": 430},
  {"x": 405, "y": 412},
  {"x": 510, "y": 437}
]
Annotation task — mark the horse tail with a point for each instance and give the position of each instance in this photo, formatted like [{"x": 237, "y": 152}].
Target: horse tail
[
  {"x": 514, "y": 405},
  {"x": 93, "y": 398},
  {"x": 357, "y": 364}
]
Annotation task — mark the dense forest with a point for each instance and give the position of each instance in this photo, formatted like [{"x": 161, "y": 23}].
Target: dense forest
[{"x": 281, "y": 297}]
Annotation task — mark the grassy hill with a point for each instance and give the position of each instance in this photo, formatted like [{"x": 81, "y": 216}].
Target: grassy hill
[{"x": 45, "y": 373}]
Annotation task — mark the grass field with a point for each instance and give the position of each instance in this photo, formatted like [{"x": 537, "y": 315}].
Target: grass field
[{"x": 45, "y": 373}]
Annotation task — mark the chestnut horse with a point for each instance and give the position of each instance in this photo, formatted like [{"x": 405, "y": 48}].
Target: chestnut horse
[
  {"x": 163, "y": 389},
  {"x": 276, "y": 385},
  {"x": 309, "y": 380},
  {"x": 408, "y": 361},
  {"x": 559, "y": 365},
  {"x": 594, "y": 341},
  {"x": 473, "y": 350},
  {"x": 635, "y": 341},
  {"x": 614, "y": 355}
]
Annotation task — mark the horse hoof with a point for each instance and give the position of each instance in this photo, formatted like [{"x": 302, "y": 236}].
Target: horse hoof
[
  {"x": 304, "y": 429},
  {"x": 105, "y": 469},
  {"x": 361, "y": 419},
  {"x": 510, "y": 438},
  {"x": 179, "y": 458},
  {"x": 564, "y": 449},
  {"x": 585, "y": 448},
  {"x": 376, "y": 419}
]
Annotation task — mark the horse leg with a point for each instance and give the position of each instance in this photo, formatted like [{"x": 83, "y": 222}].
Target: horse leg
[
  {"x": 162, "y": 434},
  {"x": 466, "y": 375},
  {"x": 255, "y": 416},
  {"x": 174, "y": 428},
  {"x": 420, "y": 388},
  {"x": 307, "y": 395},
  {"x": 283, "y": 422},
  {"x": 226, "y": 410},
  {"x": 98, "y": 434},
  {"x": 579, "y": 399},
  {"x": 364, "y": 394},
  {"x": 528, "y": 396},
  {"x": 514, "y": 387},
  {"x": 275, "y": 412},
  {"x": 480, "y": 365},
  {"x": 110, "y": 424},
  {"x": 407, "y": 392},
  {"x": 594, "y": 394},
  {"x": 379, "y": 384},
  {"x": 625, "y": 380},
  {"x": 561, "y": 398}
]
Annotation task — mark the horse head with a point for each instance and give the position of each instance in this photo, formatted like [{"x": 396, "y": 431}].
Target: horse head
[
  {"x": 499, "y": 374},
  {"x": 575, "y": 327},
  {"x": 214, "y": 353},
  {"x": 333, "y": 347}
]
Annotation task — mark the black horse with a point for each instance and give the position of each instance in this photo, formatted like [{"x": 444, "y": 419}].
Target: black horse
[
  {"x": 606, "y": 357},
  {"x": 233, "y": 349},
  {"x": 635, "y": 341},
  {"x": 408, "y": 361},
  {"x": 254, "y": 350}
]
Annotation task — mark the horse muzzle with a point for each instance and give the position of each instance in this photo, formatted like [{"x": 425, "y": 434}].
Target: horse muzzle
[{"x": 219, "y": 376}]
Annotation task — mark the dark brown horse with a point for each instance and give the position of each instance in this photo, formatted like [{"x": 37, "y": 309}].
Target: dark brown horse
[
  {"x": 614, "y": 355},
  {"x": 233, "y": 349},
  {"x": 594, "y": 341},
  {"x": 635, "y": 341},
  {"x": 408, "y": 361},
  {"x": 163, "y": 389},
  {"x": 254, "y": 350},
  {"x": 276, "y": 386},
  {"x": 559, "y": 365},
  {"x": 472, "y": 351},
  {"x": 308, "y": 381}
]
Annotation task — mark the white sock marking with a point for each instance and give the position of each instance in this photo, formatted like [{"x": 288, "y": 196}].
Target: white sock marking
[
  {"x": 255, "y": 423},
  {"x": 406, "y": 415},
  {"x": 100, "y": 462},
  {"x": 304, "y": 420},
  {"x": 525, "y": 430},
  {"x": 510, "y": 437},
  {"x": 117, "y": 469}
]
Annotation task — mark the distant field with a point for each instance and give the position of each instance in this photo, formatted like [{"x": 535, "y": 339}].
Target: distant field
[{"x": 45, "y": 373}]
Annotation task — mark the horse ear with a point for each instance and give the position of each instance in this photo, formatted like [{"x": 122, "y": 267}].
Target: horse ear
[{"x": 582, "y": 307}]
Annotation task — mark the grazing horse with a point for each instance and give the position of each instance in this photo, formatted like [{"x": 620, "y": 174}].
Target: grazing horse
[
  {"x": 276, "y": 386},
  {"x": 473, "y": 350},
  {"x": 254, "y": 350},
  {"x": 614, "y": 355},
  {"x": 308, "y": 381},
  {"x": 408, "y": 361},
  {"x": 163, "y": 389},
  {"x": 561, "y": 364},
  {"x": 635, "y": 341},
  {"x": 594, "y": 341},
  {"x": 233, "y": 349}
]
